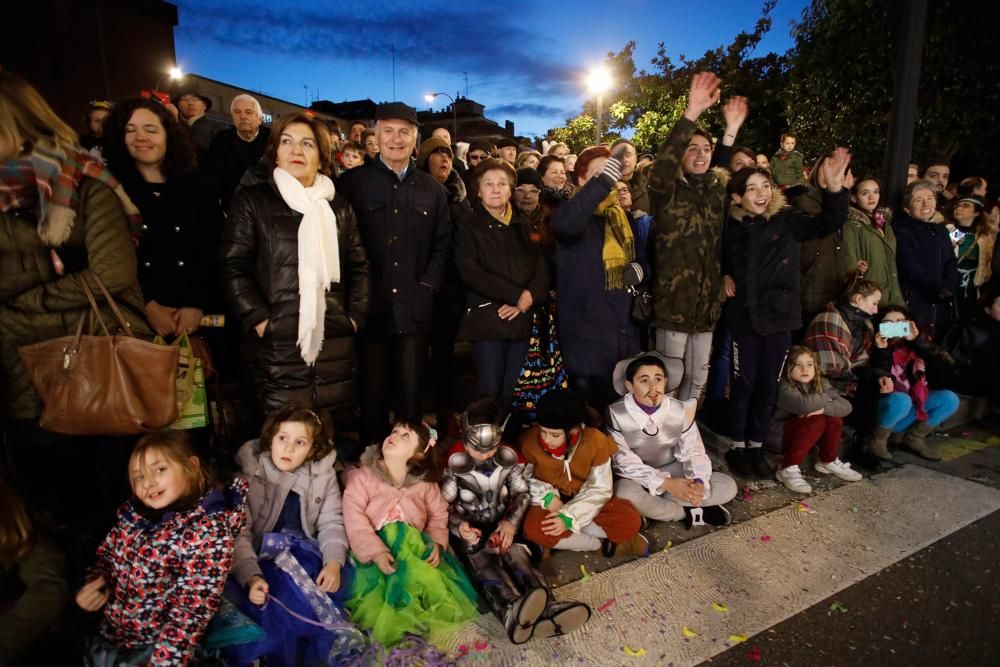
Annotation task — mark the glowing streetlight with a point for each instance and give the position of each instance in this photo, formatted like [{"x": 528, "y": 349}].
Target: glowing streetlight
[
  {"x": 599, "y": 82},
  {"x": 174, "y": 74},
  {"x": 429, "y": 97}
]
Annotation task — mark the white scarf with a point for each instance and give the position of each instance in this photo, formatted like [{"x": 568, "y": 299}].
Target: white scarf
[{"x": 319, "y": 254}]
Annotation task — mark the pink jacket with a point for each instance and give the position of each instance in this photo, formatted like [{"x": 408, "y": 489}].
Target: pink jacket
[{"x": 369, "y": 496}]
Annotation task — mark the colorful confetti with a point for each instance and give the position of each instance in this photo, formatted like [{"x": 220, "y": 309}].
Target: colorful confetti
[
  {"x": 583, "y": 571},
  {"x": 737, "y": 639},
  {"x": 719, "y": 607},
  {"x": 667, "y": 547},
  {"x": 635, "y": 653},
  {"x": 854, "y": 509},
  {"x": 607, "y": 605},
  {"x": 765, "y": 538},
  {"x": 688, "y": 632},
  {"x": 804, "y": 507},
  {"x": 836, "y": 606},
  {"x": 754, "y": 654},
  {"x": 482, "y": 645}
]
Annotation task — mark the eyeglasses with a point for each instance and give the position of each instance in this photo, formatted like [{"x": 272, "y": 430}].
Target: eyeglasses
[
  {"x": 477, "y": 156},
  {"x": 623, "y": 191}
]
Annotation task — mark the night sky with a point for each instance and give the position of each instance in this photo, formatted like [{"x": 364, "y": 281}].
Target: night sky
[{"x": 525, "y": 59}]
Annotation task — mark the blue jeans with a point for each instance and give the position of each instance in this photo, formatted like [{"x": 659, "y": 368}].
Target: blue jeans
[
  {"x": 498, "y": 363},
  {"x": 896, "y": 410}
]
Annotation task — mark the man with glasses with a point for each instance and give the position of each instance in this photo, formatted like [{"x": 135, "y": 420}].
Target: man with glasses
[
  {"x": 479, "y": 150},
  {"x": 529, "y": 186}
]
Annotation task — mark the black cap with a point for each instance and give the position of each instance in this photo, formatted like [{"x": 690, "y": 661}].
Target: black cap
[
  {"x": 482, "y": 145},
  {"x": 189, "y": 86},
  {"x": 560, "y": 409},
  {"x": 388, "y": 110},
  {"x": 529, "y": 176},
  {"x": 507, "y": 142}
]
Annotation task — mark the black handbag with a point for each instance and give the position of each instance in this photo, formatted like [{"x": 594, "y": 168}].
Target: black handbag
[{"x": 642, "y": 304}]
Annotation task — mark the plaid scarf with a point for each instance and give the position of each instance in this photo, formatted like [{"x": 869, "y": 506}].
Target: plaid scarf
[
  {"x": 619, "y": 245},
  {"x": 48, "y": 181}
]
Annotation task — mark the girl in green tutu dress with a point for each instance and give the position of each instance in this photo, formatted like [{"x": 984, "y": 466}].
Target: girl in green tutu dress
[{"x": 405, "y": 582}]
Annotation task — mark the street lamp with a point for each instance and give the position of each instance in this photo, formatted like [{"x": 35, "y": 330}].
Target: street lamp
[
  {"x": 599, "y": 82},
  {"x": 173, "y": 73},
  {"x": 454, "y": 114}
]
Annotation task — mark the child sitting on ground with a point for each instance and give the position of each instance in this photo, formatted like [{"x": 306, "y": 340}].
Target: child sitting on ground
[
  {"x": 572, "y": 503},
  {"x": 295, "y": 545},
  {"x": 406, "y": 582},
  {"x": 161, "y": 570},
  {"x": 809, "y": 411}
]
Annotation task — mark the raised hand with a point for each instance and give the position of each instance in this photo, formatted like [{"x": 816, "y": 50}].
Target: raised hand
[
  {"x": 705, "y": 91},
  {"x": 834, "y": 169},
  {"x": 735, "y": 112}
]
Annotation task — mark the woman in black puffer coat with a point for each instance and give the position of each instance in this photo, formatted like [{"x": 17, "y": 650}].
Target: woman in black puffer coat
[{"x": 267, "y": 247}]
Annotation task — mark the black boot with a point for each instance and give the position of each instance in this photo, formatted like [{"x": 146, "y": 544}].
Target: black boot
[
  {"x": 761, "y": 468},
  {"x": 524, "y": 613},
  {"x": 736, "y": 459},
  {"x": 562, "y": 618}
]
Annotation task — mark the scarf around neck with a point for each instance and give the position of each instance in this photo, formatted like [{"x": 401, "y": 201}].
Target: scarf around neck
[
  {"x": 48, "y": 181},
  {"x": 319, "y": 254},
  {"x": 618, "y": 250},
  {"x": 909, "y": 376}
]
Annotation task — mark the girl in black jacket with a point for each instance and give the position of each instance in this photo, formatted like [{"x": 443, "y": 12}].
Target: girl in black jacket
[
  {"x": 761, "y": 251},
  {"x": 505, "y": 277}
]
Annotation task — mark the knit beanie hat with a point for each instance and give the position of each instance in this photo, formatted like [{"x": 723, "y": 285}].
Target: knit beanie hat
[
  {"x": 560, "y": 409},
  {"x": 528, "y": 176},
  {"x": 432, "y": 145},
  {"x": 480, "y": 145}
]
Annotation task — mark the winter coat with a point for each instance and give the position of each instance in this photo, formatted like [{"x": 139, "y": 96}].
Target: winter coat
[
  {"x": 862, "y": 241},
  {"x": 322, "y": 518},
  {"x": 165, "y": 578},
  {"x": 689, "y": 217},
  {"x": 794, "y": 401},
  {"x": 450, "y": 299},
  {"x": 591, "y": 318},
  {"x": 202, "y": 131},
  {"x": 36, "y": 304},
  {"x": 830, "y": 336},
  {"x": 928, "y": 271},
  {"x": 369, "y": 496},
  {"x": 786, "y": 167},
  {"x": 822, "y": 258},
  {"x": 497, "y": 262},
  {"x": 37, "y": 583},
  {"x": 638, "y": 187},
  {"x": 178, "y": 250},
  {"x": 259, "y": 256},
  {"x": 229, "y": 157},
  {"x": 407, "y": 233},
  {"x": 762, "y": 254}
]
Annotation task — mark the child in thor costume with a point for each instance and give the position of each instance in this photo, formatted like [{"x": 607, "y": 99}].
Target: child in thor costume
[{"x": 487, "y": 490}]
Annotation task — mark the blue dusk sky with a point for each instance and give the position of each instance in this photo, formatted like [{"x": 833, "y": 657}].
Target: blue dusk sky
[{"x": 525, "y": 60}]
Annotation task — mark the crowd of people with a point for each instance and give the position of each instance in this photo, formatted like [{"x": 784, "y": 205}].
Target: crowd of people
[{"x": 614, "y": 304}]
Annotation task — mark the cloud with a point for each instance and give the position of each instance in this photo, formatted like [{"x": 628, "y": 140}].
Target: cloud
[
  {"x": 530, "y": 109},
  {"x": 484, "y": 41}
]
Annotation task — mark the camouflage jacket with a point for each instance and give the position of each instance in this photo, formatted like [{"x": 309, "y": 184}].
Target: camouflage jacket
[{"x": 689, "y": 216}]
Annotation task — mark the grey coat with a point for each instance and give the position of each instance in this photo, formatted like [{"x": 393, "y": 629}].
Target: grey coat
[
  {"x": 793, "y": 403},
  {"x": 319, "y": 493}
]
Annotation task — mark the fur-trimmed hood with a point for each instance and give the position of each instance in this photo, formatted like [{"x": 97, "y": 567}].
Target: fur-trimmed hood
[
  {"x": 371, "y": 459},
  {"x": 455, "y": 187},
  {"x": 777, "y": 203}
]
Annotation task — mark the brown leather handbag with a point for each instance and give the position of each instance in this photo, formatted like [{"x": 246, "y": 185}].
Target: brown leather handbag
[{"x": 103, "y": 385}]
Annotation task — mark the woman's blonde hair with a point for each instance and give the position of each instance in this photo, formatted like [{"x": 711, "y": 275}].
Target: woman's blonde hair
[
  {"x": 816, "y": 386},
  {"x": 25, "y": 117},
  {"x": 16, "y": 532},
  {"x": 174, "y": 447}
]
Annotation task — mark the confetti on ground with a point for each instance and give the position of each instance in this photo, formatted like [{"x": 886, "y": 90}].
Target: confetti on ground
[
  {"x": 607, "y": 605},
  {"x": 745, "y": 495},
  {"x": 967, "y": 434},
  {"x": 854, "y": 509},
  {"x": 667, "y": 547},
  {"x": 688, "y": 632},
  {"x": 836, "y": 606},
  {"x": 720, "y": 607},
  {"x": 754, "y": 654},
  {"x": 804, "y": 507},
  {"x": 765, "y": 538},
  {"x": 635, "y": 653},
  {"x": 737, "y": 639},
  {"x": 583, "y": 570},
  {"x": 482, "y": 645}
]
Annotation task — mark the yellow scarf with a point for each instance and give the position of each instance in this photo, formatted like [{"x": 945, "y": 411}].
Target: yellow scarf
[{"x": 619, "y": 245}]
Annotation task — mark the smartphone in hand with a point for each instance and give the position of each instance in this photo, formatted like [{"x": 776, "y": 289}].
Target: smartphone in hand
[{"x": 894, "y": 329}]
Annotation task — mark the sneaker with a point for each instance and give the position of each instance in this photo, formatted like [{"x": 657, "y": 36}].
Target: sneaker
[
  {"x": 838, "y": 468},
  {"x": 716, "y": 515},
  {"x": 792, "y": 478},
  {"x": 736, "y": 459},
  {"x": 761, "y": 468}
]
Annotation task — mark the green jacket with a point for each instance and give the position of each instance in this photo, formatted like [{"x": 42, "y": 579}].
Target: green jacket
[
  {"x": 36, "y": 304},
  {"x": 689, "y": 213},
  {"x": 878, "y": 248},
  {"x": 786, "y": 167},
  {"x": 42, "y": 576}
]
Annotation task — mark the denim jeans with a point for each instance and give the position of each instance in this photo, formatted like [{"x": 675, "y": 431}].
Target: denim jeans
[{"x": 896, "y": 409}]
